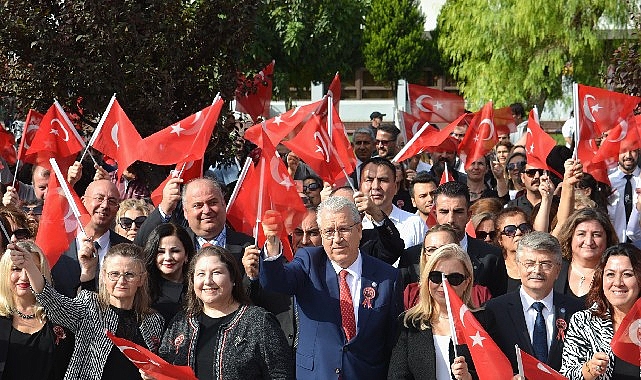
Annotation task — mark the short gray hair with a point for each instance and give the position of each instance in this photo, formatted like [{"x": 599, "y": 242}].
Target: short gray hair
[
  {"x": 337, "y": 204},
  {"x": 364, "y": 131},
  {"x": 540, "y": 241}
]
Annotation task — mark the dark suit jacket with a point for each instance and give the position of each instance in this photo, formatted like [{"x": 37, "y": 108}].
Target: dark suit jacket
[
  {"x": 409, "y": 265},
  {"x": 383, "y": 242},
  {"x": 506, "y": 325},
  {"x": 322, "y": 352},
  {"x": 488, "y": 265},
  {"x": 66, "y": 272}
]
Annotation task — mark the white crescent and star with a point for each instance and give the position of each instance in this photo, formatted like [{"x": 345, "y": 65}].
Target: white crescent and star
[
  {"x": 27, "y": 137},
  {"x": 491, "y": 125},
  {"x": 623, "y": 133},
  {"x": 586, "y": 108},
  {"x": 462, "y": 312},
  {"x": 529, "y": 132},
  {"x": 419, "y": 103},
  {"x": 477, "y": 339},
  {"x": 415, "y": 127},
  {"x": 57, "y": 132},
  {"x": 322, "y": 149},
  {"x": 634, "y": 330},
  {"x": 281, "y": 180},
  {"x": 114, "y": 135}
]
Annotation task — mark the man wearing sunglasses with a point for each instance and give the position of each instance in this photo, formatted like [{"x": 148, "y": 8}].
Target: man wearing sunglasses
[
  {"x": 533, "y": 317},
  {"x": 386, "y": 136},
  {"x": 531, "y": 176},
  {"x": 452, "y": 205}
]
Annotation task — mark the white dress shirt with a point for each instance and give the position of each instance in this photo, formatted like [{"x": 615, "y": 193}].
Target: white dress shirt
[
  {"x": 617, "y": 210},
  {"x": 530, "y": 313}
]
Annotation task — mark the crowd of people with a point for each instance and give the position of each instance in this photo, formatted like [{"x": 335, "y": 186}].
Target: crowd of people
[{"x": 547, "y": 263}]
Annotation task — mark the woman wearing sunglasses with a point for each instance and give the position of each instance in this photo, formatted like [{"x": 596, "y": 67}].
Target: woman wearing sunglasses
[
  {"x": 21, "y": 229},
  {"x": 484, "y": 227},
  {"x": 511, "y": 224},
  {"x": 515, "y": 164},
  {"x": 131, "y": 214},
  {"x": 424, "y": 347}
]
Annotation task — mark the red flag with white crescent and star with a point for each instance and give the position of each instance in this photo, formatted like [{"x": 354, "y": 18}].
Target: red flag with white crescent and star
[
  {"x": 624, "y": 137},
  {"x": 586, "y": 151},
  {"x": 434, "y": 105},
  {"x": 253, "y": 96},
  {"x": 626, "y": 343},
  {"x": 411, "y": 125},
  {"x": 489, "y": 360},
  {"x": 187, "y": 170},
  {"x": 8, "y": 146},
  {"x": 601, "y": 110},
  {"x": 480, "y": 137},
  {"x": 534, "y": 369},
  {"x": 31, "y": 125},
  {"x": 538, "y": 144},
  {"x": 183, "y": 141},
  {"x": 152, "y": 364}
]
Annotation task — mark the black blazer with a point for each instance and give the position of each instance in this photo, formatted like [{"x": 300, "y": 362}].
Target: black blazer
[
  {"x": 66, "y": 272},
  {"x": 488, "y": 266},
  {"x": 383, "y": 242},
  {"x": 409, "y": 265},
  {"x": 506, "y": 325}
]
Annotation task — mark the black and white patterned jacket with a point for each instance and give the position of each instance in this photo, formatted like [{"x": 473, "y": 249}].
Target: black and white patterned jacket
[
  {"x": 587, "y": 335},
  {"x": 88, "y": 320}
]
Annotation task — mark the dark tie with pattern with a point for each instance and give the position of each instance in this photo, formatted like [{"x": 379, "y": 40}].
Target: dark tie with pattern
[
  {"x": 540, "y": 335},
  {"x": 627, "y": 197},
  {"x": 347, "y": 306}
]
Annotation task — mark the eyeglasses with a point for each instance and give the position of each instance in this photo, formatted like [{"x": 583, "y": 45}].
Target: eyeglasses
[
  {"x": 383, "y": 142},
  {"x": 32, "y": 209},
  {"x": 455, "y": 279},
  {"x": 127, "y": 223},
  {"x": 342, "y": 231},
  {"x": 516, "y": 165},
  {"x": 510, "y": 229},
  {"x": 532, "y": 172},
  {"x": 311, "y": 186},
  {"x": 484, "y": 234},
  {"x": 22, "y": 234},
  {"x": 115, "y": 276},
  {"x": 111, "y": 202},
  {"x": 530, "y": 265}
]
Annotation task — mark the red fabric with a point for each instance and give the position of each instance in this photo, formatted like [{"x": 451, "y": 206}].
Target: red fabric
[
  {"x": 489, "y": 361},
  {"x": 348, "y": 319},
  {"x": 31, "y": 125},
  {"x": 534, "y": 369},
  {"x": 411, "y": 125},
  {"x": 434, "y": 105},
  {"x": 253, "y": 96},
  {"x": 626, "y": 343},
  {"x": 8, "y": 146},
  {"x": 480, "y": 295},
  {"x": 335, "y": 91},
  {"x": 446, "y": 176},
  {"x": 428, "y": 140},
  {"x": 151, "y": 363},
  {"x": 56, "y": 138},
  {"x": 600, "y": 110},
  {"x": 538, "y": 144},
  {"x": 624, "y": 137},
  {"x": 504, "y": 121},
  {"x": 586, "y": 151},
  {"x": 481, "y": 136},
  {"x": 58, "y": 225},
  {"x": 331, "y": 158},
  {"x": 118, "y": 138},
  {"x": 192, "y": 169},
  {"x": 469, "y": 229},
  {"x": 183, "y": 141}
]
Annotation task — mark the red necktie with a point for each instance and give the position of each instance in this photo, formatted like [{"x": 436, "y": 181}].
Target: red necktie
[
  {"x": 208, "y": 244},
  {"x": 347, "y": 307}
]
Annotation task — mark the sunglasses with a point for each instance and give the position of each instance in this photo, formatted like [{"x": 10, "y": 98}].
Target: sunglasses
[
  {"x": 483, "y": 235},
  {"x": 532, "y": 172},
  {"x": 510, "y": 230},
  {"x": 311, "y": 186},
  {"x": 516, "y": 165},
  {"x": 21, "y": 234},
  {"x": 32, "y": 209},
  {"x": 126, "y": 223},
  {"x": 455, "y": 279}
]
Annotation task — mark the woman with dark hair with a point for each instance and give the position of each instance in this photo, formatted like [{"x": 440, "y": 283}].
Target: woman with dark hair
[
  {"x": 167, "y": 253},
  {"x": 218, "y": 334},
  {"x": 513, "y": 168},
  {"x": 511, "y": 224},
  {"x": 616, "y": 287},
  {"x": 597, "y": 191},
  {"x": 584, "y": 237}
]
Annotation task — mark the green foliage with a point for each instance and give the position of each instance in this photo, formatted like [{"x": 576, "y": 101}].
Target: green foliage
[
  {"x": 518, "y": 50},
  {"x": 624, "y": 73},
  {"x": 395, "y": 45}
]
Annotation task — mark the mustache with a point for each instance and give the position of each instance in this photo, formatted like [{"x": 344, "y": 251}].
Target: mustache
[{"x": 536, "y": 277}]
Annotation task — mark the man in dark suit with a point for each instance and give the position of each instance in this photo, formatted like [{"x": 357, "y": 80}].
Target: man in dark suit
[
  {"x": 534, "y": 317},
  {"x": 452, "y": 205},
  {"x": 347, "y": 301},
  {"x": 101, "y": 199},
  {"x": 203, "y": 215}
]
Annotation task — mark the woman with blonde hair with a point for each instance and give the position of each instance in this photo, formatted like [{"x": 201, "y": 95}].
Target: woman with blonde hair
[
  {"x": 424, "y": 348},
  {"x": 26, "y": 334},
  {"x": 131, "y": 214}
]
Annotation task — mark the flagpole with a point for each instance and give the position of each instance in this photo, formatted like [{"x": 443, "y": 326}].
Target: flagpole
[
  {"x": 575, "y": 106},
  {"x": 261, "y": 183},
  {"x": 449, "y": 314},
  {"x": 67, "y": 193},
  {"x": 5, "y": 233},
  {"x": 412, "y": 140},
  {"x": 15, "y": 174},
  {"x": 96, "y": 132},
  {"x": 330, "y": 117},
  {"x": 69, "y": 123},
  {"x": 447, "y": 172},
  {"x": 239, "y": 182},
  {"x": 519, "y": 360}
]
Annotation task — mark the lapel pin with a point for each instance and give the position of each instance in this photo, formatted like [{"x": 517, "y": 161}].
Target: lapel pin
[{"x": 368, "y": 293}]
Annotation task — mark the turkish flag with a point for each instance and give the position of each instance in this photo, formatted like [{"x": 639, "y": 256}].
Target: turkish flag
[
  {"x": 334, "y": 91},
  {"x": 600, "y": 110},
  {"x": 534, "y": 369},
  {"x": 116, "y": 137},
  {"x": 253, "y": 96},
  {"x": 191, "y": 170},
  {"x": 279, "y": 127},
  {"x": 324, "y": 148},
  {"x": 58, "y": 225},
  {"x": 469, "y": 228},
  {"x": 268, "y": 186},
  {"x": 489, "y": 360},
  {"x": 586, "y": 151},
  {"x": 8, "y": 146},
  {"x": 56, "y": 138},
  {"x": 626, "y": 343},
  {"x": 31, "y": 125},
  {"x": 426, "y": 138},
  {"x": 504, "y": 121},
  {"x": 446, "y": 176},
  {"x": 152, "y": 364},
  {"x": 538, "y": 144},
  {"x": 481, "y": 136},
  {"x": 624, "y": 137},
  {"x": 184, "y": 141},
  {"x": 434, "y": 105},
  {"x": 410, "y": 125}
]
